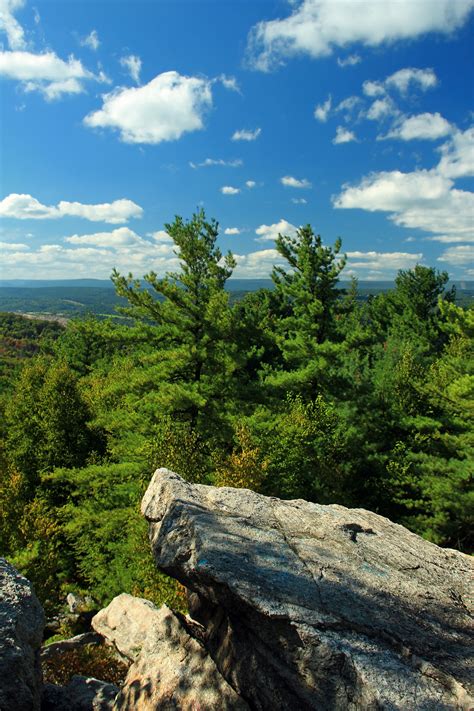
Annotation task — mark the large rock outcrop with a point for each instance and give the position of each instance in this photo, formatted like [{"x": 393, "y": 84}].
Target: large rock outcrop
[
  {"x": 21, "y": 633},
  {"x": 171, "y": 668},
  {"x": 316, "y": 607}
]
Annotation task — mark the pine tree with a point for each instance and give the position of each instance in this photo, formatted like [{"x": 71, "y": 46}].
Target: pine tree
[{"x": 192, "y": 357}]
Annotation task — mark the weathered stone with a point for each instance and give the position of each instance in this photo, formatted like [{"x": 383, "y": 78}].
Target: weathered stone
[
  {"x": 81, "y": 694},
  {"x": 171, "y": 668},
  {"x": 21, "y": 632},
  {"x": 316, "y": 607}
]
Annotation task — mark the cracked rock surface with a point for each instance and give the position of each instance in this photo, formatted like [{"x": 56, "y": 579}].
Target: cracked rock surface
[
  {"x": 171, "y": 668},
  {"x": 316, "y": 607},
  {"x": 21, "y": 633}
]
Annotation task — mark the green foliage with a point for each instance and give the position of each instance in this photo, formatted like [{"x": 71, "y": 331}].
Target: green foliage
[
  {"x": 303, "y": 391},
  {"x": 47, "y": 421},
  {"x": 98, "y": 662}
]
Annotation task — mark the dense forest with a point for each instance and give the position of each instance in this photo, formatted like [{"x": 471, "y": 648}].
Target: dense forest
[{"x": 299, "y": 391}]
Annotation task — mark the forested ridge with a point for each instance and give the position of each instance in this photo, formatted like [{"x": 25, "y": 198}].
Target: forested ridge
[{"x": 301, "y": 391}]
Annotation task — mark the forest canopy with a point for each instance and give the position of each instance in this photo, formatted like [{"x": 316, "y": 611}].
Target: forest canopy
[{"x": 299, "y": 391}]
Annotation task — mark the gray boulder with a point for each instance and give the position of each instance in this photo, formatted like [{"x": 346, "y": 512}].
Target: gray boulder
[
  {"x": 316, "y": 607},
  {"x": 81, "y": 694},
  {"x": 21, "y": 633},
  {"x": 171, "y": 668}
]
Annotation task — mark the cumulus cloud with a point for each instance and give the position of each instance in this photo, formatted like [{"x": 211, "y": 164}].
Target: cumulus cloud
[
  {"x": 162, "y": 110},
  {"x": 402, "y": 80},
  {"x": 392, "y": 261},
  {"x": 349, "y": 61},
  {"x": 117, "y": 238},
  {"x": 229, "y": 190},
  {"x": 258, "y": 264},
  {"x": 268, "y": 233},
  {"x": 13, "y": 247},
  {"x": 316, "y": 27},
  {"x": 343, "y": 136},
  {"x": 26, "y": 207},
  {"x": 449, "y": 239},
  {"x": 246, "y": 135},
  {"x": 458, "y": 256},
  {"x": 425, "y": 126},
  {"x": 290, "y": 182},
  {"x": 46, "y": 73},
  {"x": 217, "y": 161},
  {"x": 381, "y": 108},
  {"x": 457, "y": 155},
  {"x": 92, "y": 255},
  {"x": 393, "y": 191},
  {"x": 232, "y": 231},
  {"x": 321, "y": 111},
  {"x": 161, "y": 236},
  {"x": 10, "y": 25},
  {"x": 133, "y": 66},
  {"x": 423, "y": 199},
  {"x": 373, "y": 88},
  {"x": 299, "y": 201},
  {"x": 229, "y": 83},
  {"x": 91, "y": 41},
  {"x": 348, "y": 104},
  {"x": 250, "y": 184}
]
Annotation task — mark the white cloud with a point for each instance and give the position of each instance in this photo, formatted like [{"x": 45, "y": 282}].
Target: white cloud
[
  {"x": 246, "y": 135},
  {"x": 373, "y": 88},
  {"x": 117, "y": 238},
  {"x": 424, "y": 79},
  {"x": 316, "y": 27},
  {"x": 162, "y": 110},
  {"x": 268, "y": 233},
  {"x": 91, "y": 41},
  {"x": 381, "y": 108},
  {"x": 349, "y": 61},
  {"x": 299, "y": 201},
  {"x": 13, "y": 247},
  {"x": 449, "y": 239},
  {"x": 321, "y": 111},
  {"x": 25, "y": 207},
  {"x": 133, "y": 65},
  {"x": 250, "y": 184},
  {"x": 450, "y": 214},
  {"x": 232, "y": 231},
  {"x": 257, "y": 264},
  {"x": 392, "y": 261},
  {"x": 423, "y": 199},
  {"x": 92, "y": 255},
  {"x": 161, "y": 236},
  {"x": 394, "y": 191},
  {"x": 217, "y": 161},
  {"x": 458, "y": 256},
  {"x": 10, "y": 25},
  {"x": 46, "y": 73},
  {"x": 229, "y": 190},
  {"x": 114, "y": 212},
  {"x": 343, "y": 136},
  {"x": 290, "y": 182},
  {"x": 229, "y": 83},
  {"x": 426, "y": 126},
  {"x": 457, "y": 155},
  {"x": 348, "y": 104},
  {"x": 402, "y": 80}
]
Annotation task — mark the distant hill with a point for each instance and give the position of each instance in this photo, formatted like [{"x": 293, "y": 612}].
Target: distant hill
[{"x": 76, "y": 297}]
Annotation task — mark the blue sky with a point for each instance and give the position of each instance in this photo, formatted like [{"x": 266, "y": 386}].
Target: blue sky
[{"x": 355, "y": 116}]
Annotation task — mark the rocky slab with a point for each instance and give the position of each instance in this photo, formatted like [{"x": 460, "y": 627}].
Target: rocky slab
[
  {"x": 307, "y": 606},
  {"x": 171, "y": 668},
  {"x": 21, "y": 633}
]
